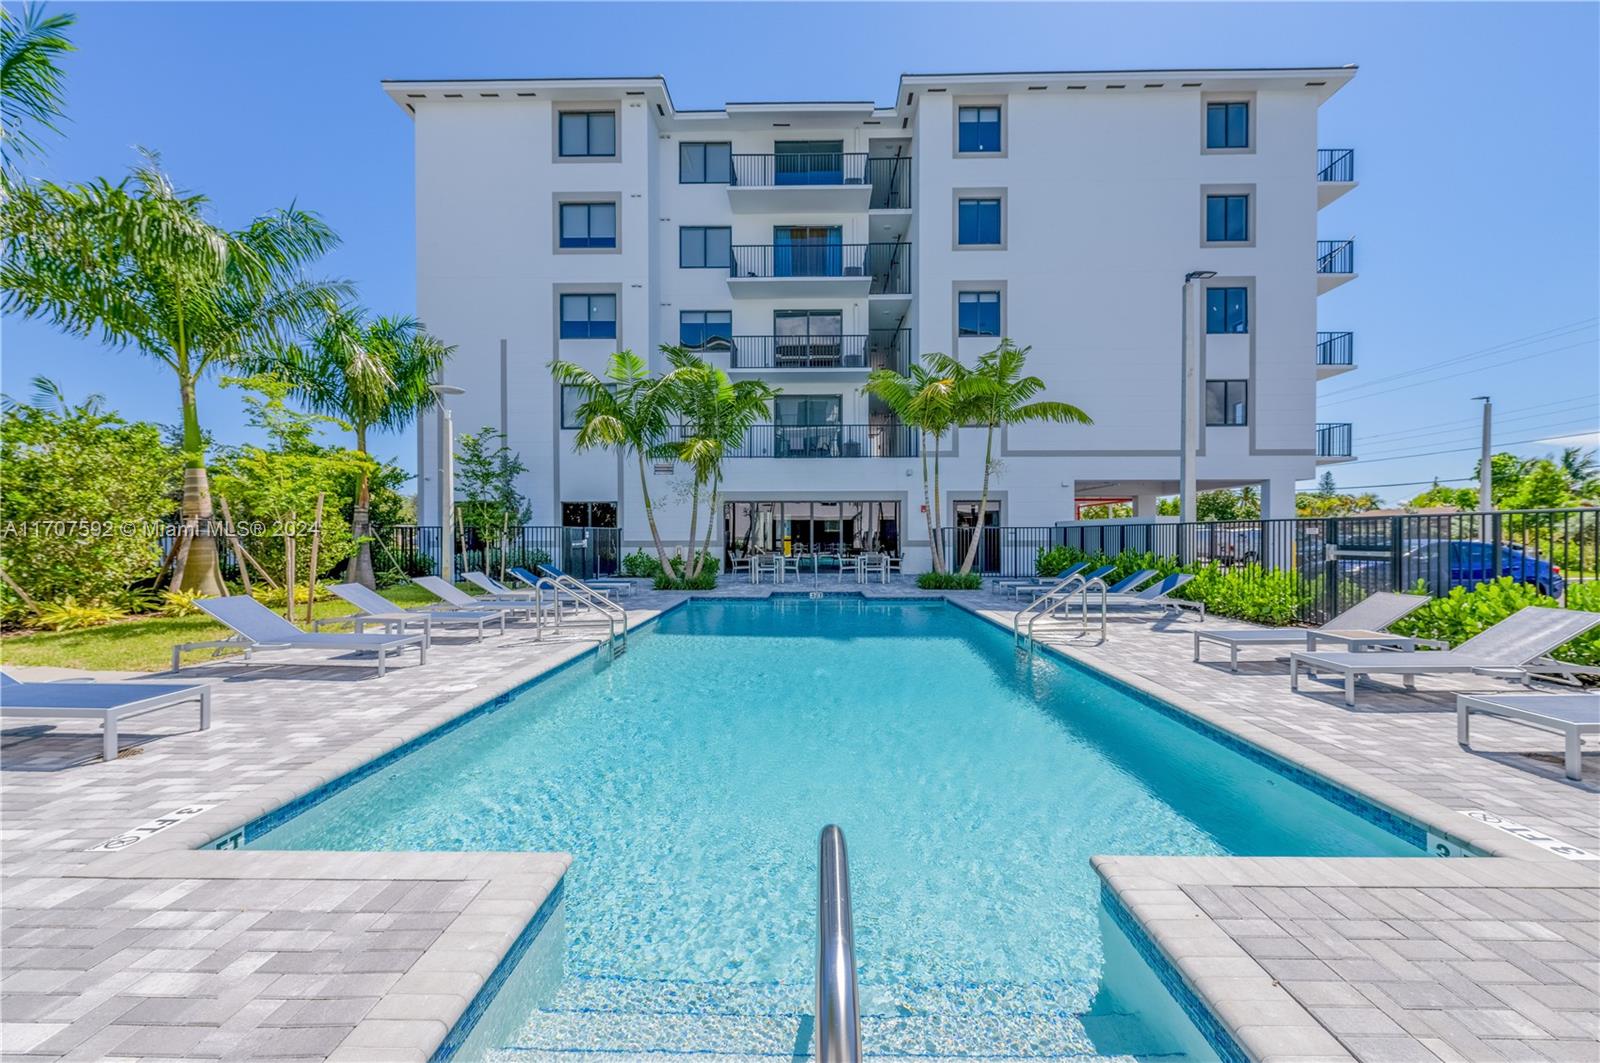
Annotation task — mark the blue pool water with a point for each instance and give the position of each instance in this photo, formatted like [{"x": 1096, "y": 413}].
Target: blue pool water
[{"x": 690, "y": 779}]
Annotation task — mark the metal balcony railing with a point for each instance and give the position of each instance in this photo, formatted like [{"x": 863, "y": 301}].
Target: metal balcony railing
[
  {"x": 1336, "y": 348},
  {"x": 879, "y": 349},
  {"x": 1334, "y": 440},
  {"x": 888, "y": 265},
  {"x": 1336, "y": 164},
  {"x": 887, "y": 440},
  {"x": 1336, "y": 256},
  {"x": 889, "y": 178}
]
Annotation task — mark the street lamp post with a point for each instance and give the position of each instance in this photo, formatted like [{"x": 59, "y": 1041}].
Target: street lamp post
[
  {"x": 1485, "y": 466},
  {"x": 1188, "y": 415},
  {"x": 447, "y": 486}
]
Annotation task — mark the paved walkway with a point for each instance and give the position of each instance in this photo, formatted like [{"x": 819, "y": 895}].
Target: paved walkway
[{"x": 161, "y": 950}]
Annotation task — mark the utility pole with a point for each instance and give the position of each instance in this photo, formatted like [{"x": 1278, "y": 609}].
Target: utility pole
[
  {"x": 1485, "y": 466},
  {"x": 447, "y": 481}
]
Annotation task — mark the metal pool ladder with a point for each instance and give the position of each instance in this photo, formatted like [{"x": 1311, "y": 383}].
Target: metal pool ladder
[
  {"x": 616, "y": 616},
  {"x": 838, "y": 1015},
  {"x": 1058, "y": 597}
]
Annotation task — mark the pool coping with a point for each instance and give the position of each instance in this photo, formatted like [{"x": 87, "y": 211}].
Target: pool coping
[{"x": 1183, "y": 942}]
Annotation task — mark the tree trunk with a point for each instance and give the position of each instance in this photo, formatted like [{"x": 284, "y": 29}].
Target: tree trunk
[
  {"x": 201, "y": 572},
  {"x": 927, "y": 503},
  {"x": 694, "y": 531},
  {"x": 650, "y": 515},
  {"x": 983, "y": 506},
  {"x": 359, "y": 568},
  {"x": 938, "y": 508},
  {"x": 711, "y": 524}
]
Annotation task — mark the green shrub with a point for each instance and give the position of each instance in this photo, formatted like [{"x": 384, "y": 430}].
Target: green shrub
[
  {"x": 1057, "y": 559},
  {"x": 641, "y": 565},
  {"x": 705, "y": 581},
  {"x": 1461, "y": 614},
  {"x": 70, "y": 615},
  {"x": 950, "y": 581},
  {"x": 136, "y": 600},
  {"x": 1250, "y": 592},
  {"x": 180, "y": 603}
]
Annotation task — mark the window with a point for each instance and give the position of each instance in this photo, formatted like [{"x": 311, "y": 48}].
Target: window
[
  {"x": 807, "y": 338},
  {"x": 978, "y": 221},
  {"x": 588, "y": 134},
  {"x": 1225, "y": 310},
  {"x": 1227, "y": 125},
  {"x": 588, "y": 225},
  {"x": 807, "y": 409},
  {"x": 978, "y": 313},
  {"x": 1227, "y": 219},
  {"x": 697, "y": 328},
  {"x": 808, "y": 162},
  {"x": 588, "y": 515},
  {"x": 705, "y": 247},
  {"x": 1225, "y": 403},
  {"x": 589, "y": 317},
  {"x": 705, "y": 163},
  {"x": 979, "y": 129},
  {"x": 572, "y": 397}
]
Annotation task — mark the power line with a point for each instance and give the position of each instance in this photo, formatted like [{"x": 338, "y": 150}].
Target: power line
[
  {"x": 1500, "y": 415},
  {"x": 1498, "y": 348},
  {"x": 1409, "y": 483},
  {"x": 1456, "y": 450},
  {"x": 1457, "y": 435},
  {"x": 1464, "y": 372}
]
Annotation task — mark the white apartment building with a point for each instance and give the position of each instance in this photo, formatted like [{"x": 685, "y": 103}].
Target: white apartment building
[{"x": 806, "y": 243}]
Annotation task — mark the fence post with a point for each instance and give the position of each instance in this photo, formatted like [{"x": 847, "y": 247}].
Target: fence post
[{"x": 1397, "y": 553}]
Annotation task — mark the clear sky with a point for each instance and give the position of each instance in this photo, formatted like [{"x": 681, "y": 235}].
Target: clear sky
[{"x": 1477, "y": 219}]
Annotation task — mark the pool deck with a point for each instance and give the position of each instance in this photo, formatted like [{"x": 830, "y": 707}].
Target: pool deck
[{"x": 161, "y": 950}]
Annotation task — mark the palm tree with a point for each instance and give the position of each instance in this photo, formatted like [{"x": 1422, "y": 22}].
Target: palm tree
[
  {"x": 626, "y": 409},
  {"x": 995, "y": 394},
  {"x": 718, "y": 414},
  {"x": 138, "y": 264},
  {"x": 371, "y": 373},
  {"x": 924, "y": 399},
  {"x": 1581, "y": 470},
  {"x": 30, "y": 81}
]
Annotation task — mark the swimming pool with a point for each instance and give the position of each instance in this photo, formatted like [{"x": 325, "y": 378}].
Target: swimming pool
[{"x": 690, "y": 779}]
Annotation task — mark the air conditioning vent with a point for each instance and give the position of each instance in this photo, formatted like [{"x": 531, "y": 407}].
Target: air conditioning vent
[{"x": 664, "y": 468}]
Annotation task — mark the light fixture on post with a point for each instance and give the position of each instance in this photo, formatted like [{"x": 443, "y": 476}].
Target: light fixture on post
[
  {"x": 1188, "y": 414},
  {"x": 447, "y": 486}
]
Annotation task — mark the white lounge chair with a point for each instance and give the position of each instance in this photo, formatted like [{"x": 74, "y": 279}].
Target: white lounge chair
[
  {"x": 1038, "y": 589},
  {"x": 1157, "y": 594},
  {"x": 457, "y": 598},
  {"x": 1570, "y": 715},
  {"x": 259, "y": 628},
  {"x": 376, "y": 610},
  {"x": 1358, "y": 628},
  {"x": 494, "y": 589},
  {"x": 998, "y": 585},
  {"x": 109, "y": 703},
  {"x": 603, "y": 586},
  {"x": 1513, "y": 648}
]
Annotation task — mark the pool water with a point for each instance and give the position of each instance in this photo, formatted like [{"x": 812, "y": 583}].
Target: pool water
[{"x": 690, "y": 779}]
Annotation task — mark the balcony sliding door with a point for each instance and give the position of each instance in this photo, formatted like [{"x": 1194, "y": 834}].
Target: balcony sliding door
[
  {"x": 807, "y": 338},
  {"x": 809, "y": 162},
  {"x": 807, "y": 251}
]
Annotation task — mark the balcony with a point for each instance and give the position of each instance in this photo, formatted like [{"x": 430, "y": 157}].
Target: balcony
[
  {"x": 879, "y": 349},
  {"x": 818, "y": 268},
  {"x": 1336, "y": 263},
  {"x": 1336, "y": 173},
  {"x": 824, "y": 441},
  {"x": 1334, "y": 443},
  {"x": 833, "y": 181},
  {"x": 1335, "y": 353}
]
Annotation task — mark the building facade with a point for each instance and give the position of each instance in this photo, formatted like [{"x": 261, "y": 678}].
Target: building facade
[{"x": 808, "y": 243}]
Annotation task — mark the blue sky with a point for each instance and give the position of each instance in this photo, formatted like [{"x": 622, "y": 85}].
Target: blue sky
[{"x": 1477, "y": 220}]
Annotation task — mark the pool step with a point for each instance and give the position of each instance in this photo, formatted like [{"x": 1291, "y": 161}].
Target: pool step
[{"x": 598, "y": 1015}]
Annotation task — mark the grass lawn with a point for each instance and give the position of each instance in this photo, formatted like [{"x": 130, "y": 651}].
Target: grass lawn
[{"x": 145, "y": 644}]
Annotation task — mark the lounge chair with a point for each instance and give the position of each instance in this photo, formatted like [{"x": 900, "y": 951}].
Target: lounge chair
[
  {"x": 1157, "y": 594},
  {"x": 603, "y": 586},
  {"x": 109, "y": 703},
  {"x": 497, "y": 591},
  {"x": 454, "y": 596},
  {"x": 1569, "y": 715},
  {"x": 1360, "y": 627},
  {"x": 1122, "y": 588},
  {"x": 1513, "y": 648},
  {"x": 998, "y": 585},
  {"x": 259, "y": 628},
  {"x": 1079, "y": 579},
  {"x": 375, "y": 609}
]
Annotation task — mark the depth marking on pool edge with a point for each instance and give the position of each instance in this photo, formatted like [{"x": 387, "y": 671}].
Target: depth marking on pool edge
[
  {"x": 1528, "y": 834},
  {"x": 145, "y": 830}
]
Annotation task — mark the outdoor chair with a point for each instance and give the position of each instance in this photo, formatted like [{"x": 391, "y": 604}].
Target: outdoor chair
[
  {"x": 1359, "y": 628},
  {"x": 376, "y": 610},
  {"x": 1570, "y": 715},
  {"x": 259, "y": 628},
  {"x": 107, "y": 703}
]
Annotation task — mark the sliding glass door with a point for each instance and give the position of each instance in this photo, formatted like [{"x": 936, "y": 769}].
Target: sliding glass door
[
  {"x": 808, "y": 338},
  {"x": 807, "y": 251}
]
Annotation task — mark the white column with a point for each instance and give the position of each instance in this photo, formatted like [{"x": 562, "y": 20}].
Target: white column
[
  {"x": 1145, "y": 504},
  {"x": 1277, "y": 498},
  {"x": 1188, "y": 409}
]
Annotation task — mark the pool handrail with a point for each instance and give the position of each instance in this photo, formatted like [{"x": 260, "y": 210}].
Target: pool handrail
[
  {"x": 838, "y": 1013},
  {"x": 1050, "y": 598},
  {"x": 611, "y": 611}
]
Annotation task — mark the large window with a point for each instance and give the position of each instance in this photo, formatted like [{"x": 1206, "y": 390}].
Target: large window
[
  {"x": 808, "y": 162},
  {"x": 978, "y": 221},
  {"x": 588, "y": 514},
  {"x": 1226, "y": 310},
  {"x": 978, "y": 313},
  {"x": 588, "y": 134},
  {"x": 588, "y": 225},
  {"x": 589, "y": 317},
  {"x": 807, "y": 338},
  {"x": 705, "y": 163},
  {"x": 1227, "y": 125},
  {"x": 1226, "y": 404},
  {"x": 705, "y": 247},
  {"x": 978, "y": 129},
  {"x": 807, "y": 409},
  {"x": 698, "y": 328},
  {"x": 1227, "y": 219}
]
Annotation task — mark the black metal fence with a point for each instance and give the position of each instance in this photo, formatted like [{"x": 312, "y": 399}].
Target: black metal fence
[
  {"x": 878, "y": 349},
  {"x": 581, "y": 552},
  {"x": 887, "y": 440},
  {"x": 886, "y": 265},
  {"x": 889, "y": 178},
  {"x": 1336, "y": 164},
  {"x": 1336, "y": 256},
  {"x": 1336, "y": 348},
  {"x": 1335, "y": 439}
]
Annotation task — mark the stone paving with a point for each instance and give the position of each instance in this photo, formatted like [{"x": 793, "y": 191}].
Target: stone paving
[{"x": 164, "y": 951}]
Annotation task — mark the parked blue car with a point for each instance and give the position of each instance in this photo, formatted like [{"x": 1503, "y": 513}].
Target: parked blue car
[{"x": 1445, "y": 564}]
